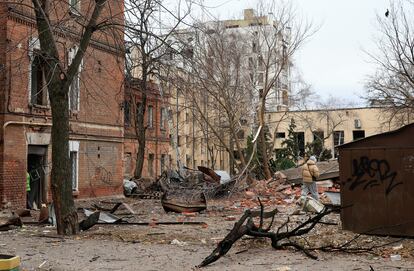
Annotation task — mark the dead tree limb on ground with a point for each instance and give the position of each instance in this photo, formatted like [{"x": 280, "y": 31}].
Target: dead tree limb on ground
[{"x": 246, "y": 226}]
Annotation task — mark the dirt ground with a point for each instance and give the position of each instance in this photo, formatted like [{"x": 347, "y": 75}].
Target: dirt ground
[{"x": 182, "y": 247}]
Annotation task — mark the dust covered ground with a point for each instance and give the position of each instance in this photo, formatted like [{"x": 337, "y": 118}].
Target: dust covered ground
[{"x": 182, "y": 247}]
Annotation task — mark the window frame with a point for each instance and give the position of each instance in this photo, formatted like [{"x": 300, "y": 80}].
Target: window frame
[
  {"x": 33, "y": 53},
  {"x": 150, "y": 116},
  {"x": 74, "y": 148},
  {"x": 71, "y": 53}
]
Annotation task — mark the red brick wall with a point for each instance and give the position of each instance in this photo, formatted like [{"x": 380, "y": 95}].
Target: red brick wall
[
  {"x": 14, "y": 167},
  {"x": 98, "y": 126},
  {"x": 157, "y": 139},
  {"x": 100, "y": 168}
]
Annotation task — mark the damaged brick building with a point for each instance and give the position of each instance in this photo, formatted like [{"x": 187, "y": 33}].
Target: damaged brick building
[
  {"x": 157, "y": 143},
  {"x": 96, "y": 101}
]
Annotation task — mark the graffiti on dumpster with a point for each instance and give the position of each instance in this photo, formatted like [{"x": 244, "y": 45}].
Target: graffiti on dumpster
[{"x": 372, "y": 172}]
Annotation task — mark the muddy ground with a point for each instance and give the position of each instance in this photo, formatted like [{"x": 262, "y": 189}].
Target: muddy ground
[{"x": 182, "y": 247}]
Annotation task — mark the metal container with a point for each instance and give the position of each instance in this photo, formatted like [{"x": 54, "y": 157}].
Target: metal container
[{"x": 377, "y": 183}]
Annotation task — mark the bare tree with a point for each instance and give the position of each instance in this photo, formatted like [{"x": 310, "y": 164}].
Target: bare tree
[
  {"x": 392, "y": 85},
  {"x": 276, "y": 38},
  {"x": 216, "y": 85},
  {"x": 54, "y": 24},
  {"x": 149, "y": 24}
]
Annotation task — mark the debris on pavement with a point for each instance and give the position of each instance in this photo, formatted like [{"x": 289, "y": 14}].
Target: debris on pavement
[
  {"x": 9, "y": 220},
  {"x": 178, "y": 243}
]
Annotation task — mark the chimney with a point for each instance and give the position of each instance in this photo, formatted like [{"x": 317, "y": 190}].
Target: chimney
[{"x": 248, "y": 14}]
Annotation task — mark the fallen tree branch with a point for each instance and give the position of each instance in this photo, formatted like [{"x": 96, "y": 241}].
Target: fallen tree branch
[{"x": 246, "y": 226}]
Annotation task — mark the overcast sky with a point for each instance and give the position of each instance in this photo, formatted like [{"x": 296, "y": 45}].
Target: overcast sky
[{"x": 332, "y": 61}]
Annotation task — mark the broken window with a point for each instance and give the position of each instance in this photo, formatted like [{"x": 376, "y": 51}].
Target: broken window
[
  {"x": 74, "y": 88},
  {"x": 38, "y": 86},
  {"x": 150, "y": 116},
  {"x": 151, "y": 164}
]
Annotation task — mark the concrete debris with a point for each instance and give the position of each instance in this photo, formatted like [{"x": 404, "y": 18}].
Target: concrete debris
[
  {"x": 395, "y": 257},
  {"x": 178, "y": 243},
  {"x": 9, "y": 220},
  {"x": 399, "y": 247},
  {"x": 312, "y": 205}
]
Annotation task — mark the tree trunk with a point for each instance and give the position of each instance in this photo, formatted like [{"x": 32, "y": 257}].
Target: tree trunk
[
  {"x": 66, "y": 215},
  {"x": 262, "y": 141},
  {"x": 231, "y": 157},
  {"x": 140, "y": 130},
  {"x": 59, "y": 80}
]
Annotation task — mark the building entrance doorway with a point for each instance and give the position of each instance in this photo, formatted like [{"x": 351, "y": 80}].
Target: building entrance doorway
[{"x": 37, "y": 167}]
